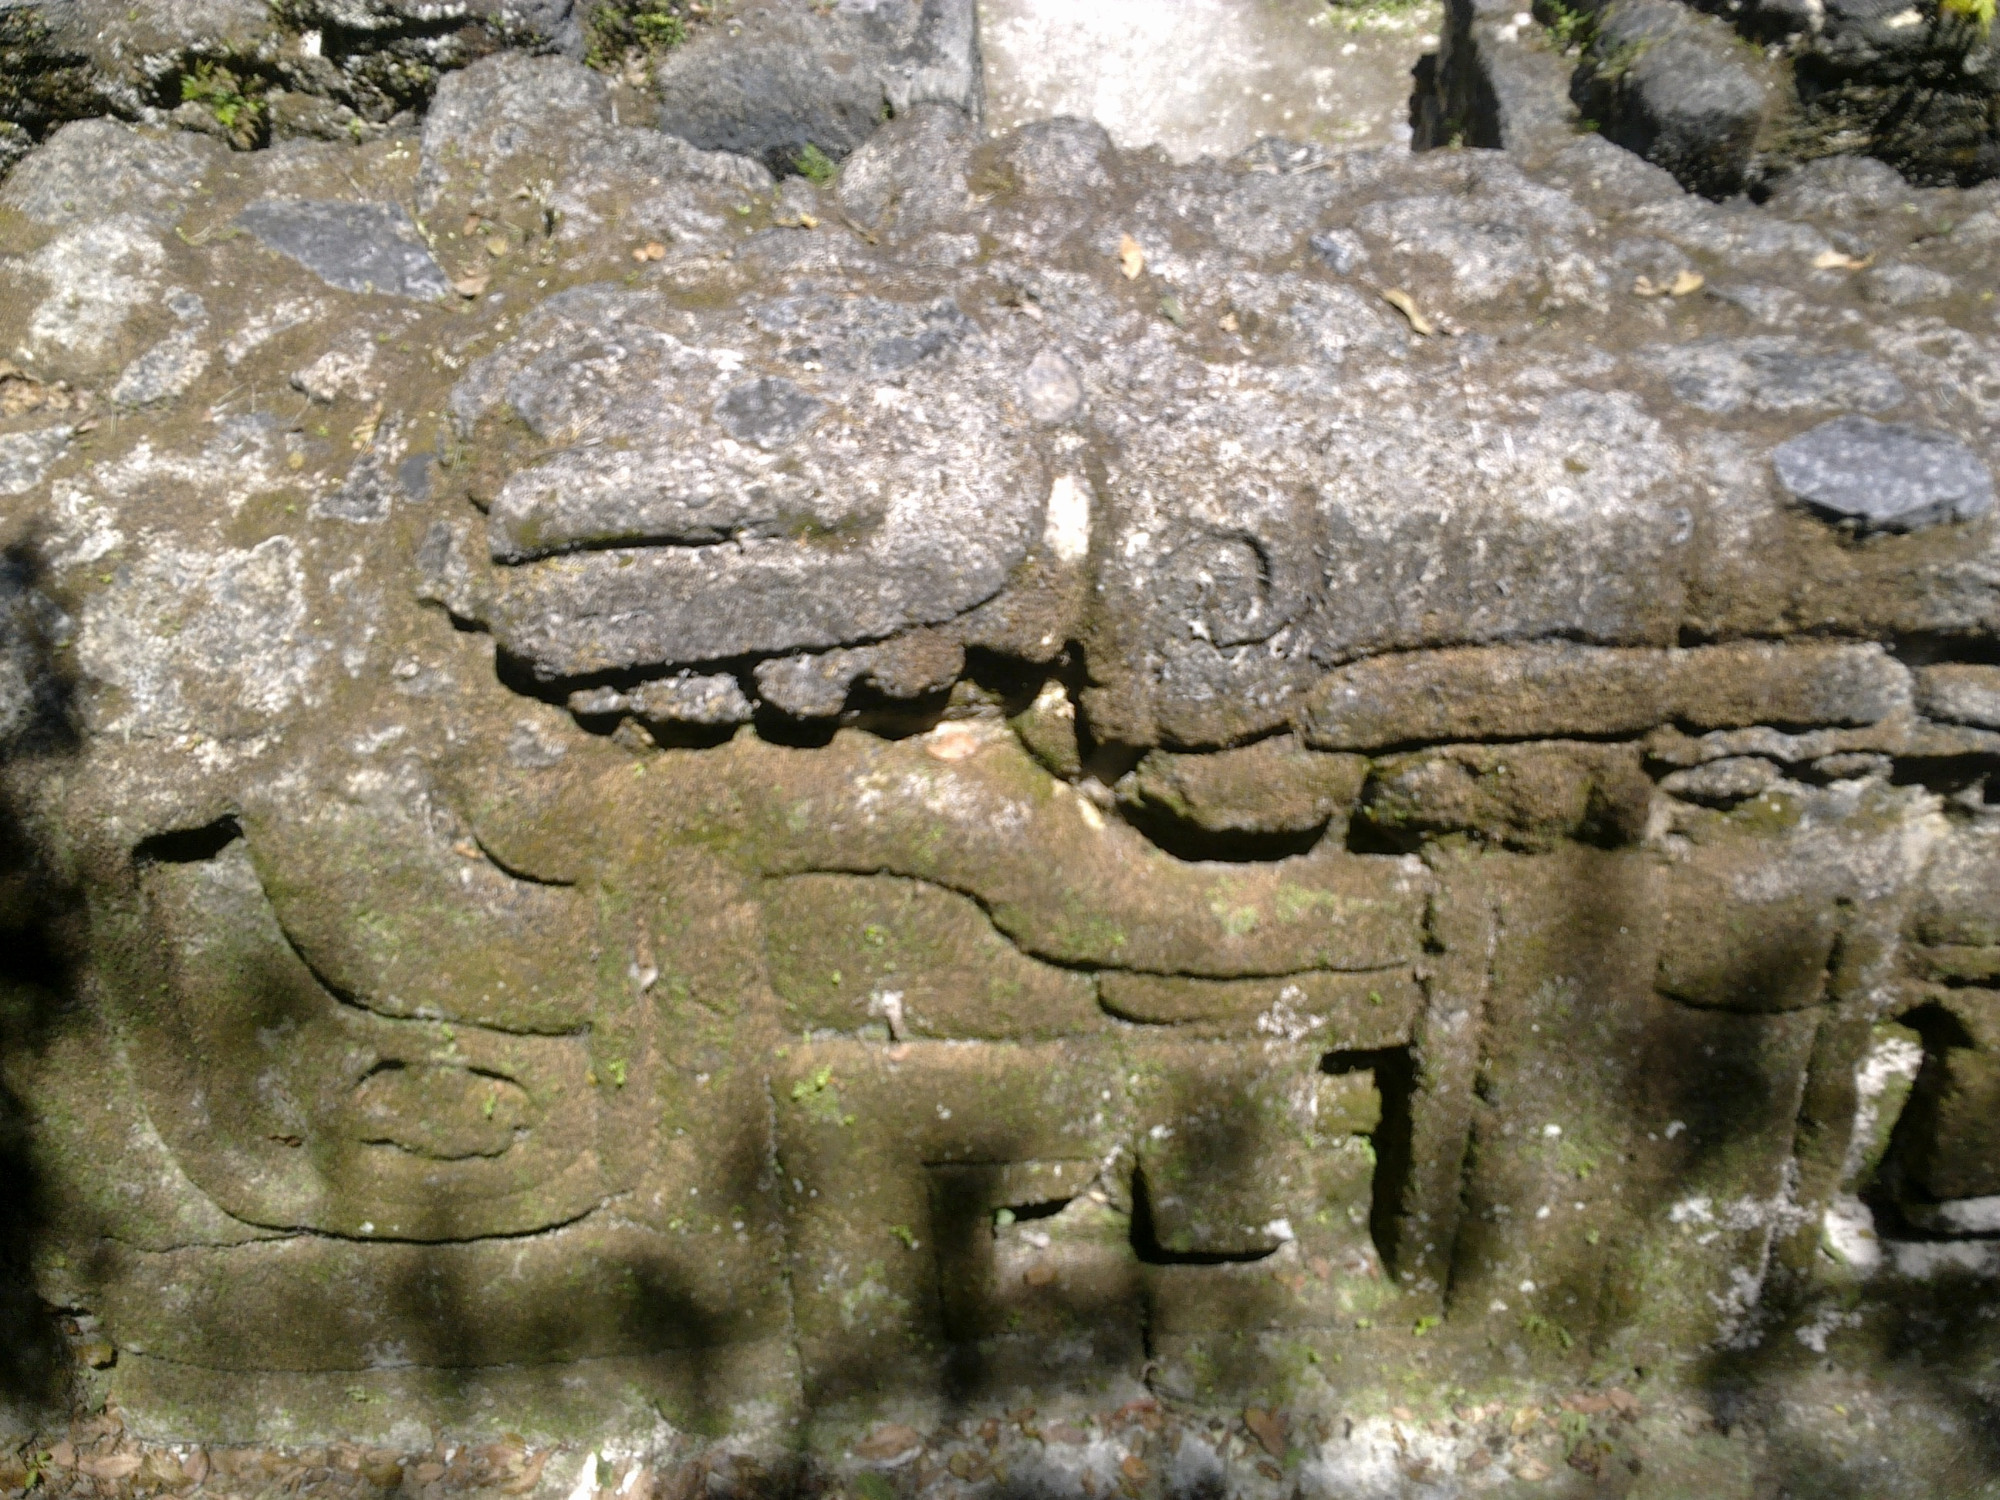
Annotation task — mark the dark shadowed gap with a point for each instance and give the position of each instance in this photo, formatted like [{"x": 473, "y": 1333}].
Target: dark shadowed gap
[
  {"x": 38, "y": 914},
  {"x": 188, "y": 846},
  {"x": 1396, "y": 1081},
  {"x": 1146, "y": 1240}
]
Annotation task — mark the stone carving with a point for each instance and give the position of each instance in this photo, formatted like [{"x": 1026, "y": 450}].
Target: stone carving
[{"x": 871, "y": 809}]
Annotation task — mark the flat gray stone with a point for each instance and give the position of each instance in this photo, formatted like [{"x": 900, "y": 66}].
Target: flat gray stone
[
  {"x": 1960, "y": 693},
  {"x": 358, "y": 247},
  {"x": 1676, "y": 88},
  {"x": 712, "y": 699},
  {"x": 1886, "y": 476},
  {"x": 769, "y": 412},
  {"x": 783, "y": 75},
  {"x": 1721, "y": 783},
  {"x": 165, "y": 370},
  {"x": 1775, "y": 373},
  {"x": 810, "y": 687},
  {"x": 1901, "y": 284},
  {"x": 752, "y": 482},
  {"x": 91, "y": 168},
  {"x": 26, "y": 456}
]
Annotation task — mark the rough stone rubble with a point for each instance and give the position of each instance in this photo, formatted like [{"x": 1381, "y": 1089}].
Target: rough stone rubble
[{"x": 678, "y": 805}]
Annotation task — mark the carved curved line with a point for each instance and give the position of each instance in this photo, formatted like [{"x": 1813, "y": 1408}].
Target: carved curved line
[{"x": 1078, "y": 966}]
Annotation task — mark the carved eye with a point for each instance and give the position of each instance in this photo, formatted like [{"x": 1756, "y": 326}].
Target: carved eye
[
  {"x": 444, "y": 1113},
  {"x": 1222, "y": 585}
]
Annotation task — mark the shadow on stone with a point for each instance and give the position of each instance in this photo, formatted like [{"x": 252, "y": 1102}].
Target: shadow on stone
[{"x": 35, "y": 726}]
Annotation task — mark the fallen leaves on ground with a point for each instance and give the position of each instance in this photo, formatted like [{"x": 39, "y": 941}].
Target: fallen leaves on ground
[
  {"x": 20, "y": 392},
  {"x": 1836, "y": 260}
]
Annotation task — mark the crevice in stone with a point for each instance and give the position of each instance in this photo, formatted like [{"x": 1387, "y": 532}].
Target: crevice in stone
[
  {"x": 1192, "y": 844},
  {"x": 1392, "y": 1140},
  {"x": 1147, "y": 1247},
  {"x": 188, "y": 846}
]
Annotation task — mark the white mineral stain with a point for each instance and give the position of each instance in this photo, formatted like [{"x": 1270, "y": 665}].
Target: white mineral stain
[{"x": 1067, "y": 530}]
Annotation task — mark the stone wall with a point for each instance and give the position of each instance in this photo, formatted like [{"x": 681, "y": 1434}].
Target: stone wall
[
  {"x": 1729, "y": 97},
  {"x": 650, "y": 804}
]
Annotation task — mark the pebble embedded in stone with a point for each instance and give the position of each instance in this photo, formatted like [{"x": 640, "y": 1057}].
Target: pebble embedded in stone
[
  {"x": 358, "y": 247},
  {"x": 768, "y": 412},
  {"x": 1722, "y": 783},
  {"x": 1053, "y": 391},
  {"x": 1886, "y": 476},
  {"x": 716, "y": 699},
  {"x": 1340, "y": 250}
]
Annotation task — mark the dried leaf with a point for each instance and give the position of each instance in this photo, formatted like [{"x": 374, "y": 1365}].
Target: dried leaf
[
  {"x": 364, "y": 435},
  {"x": 891, "y": 1441},
  {"x": 1229, "y": 323},
  {"x": 19, "y": 392},
  {"x": 1684, "y": 283},
  {"x": 1131, "y": 259},
  {"x": 1834, "y": 260},
  {"x": 113, "y": 1466},
  {"x": 1268, "y": 1427},
  {"x": 1039, "y": 1274},
  {"x": 473, "y": 285},
  {"x": 968, "y": 1466},
  {"x": 1405, "y": 304},
  {"x": 1134, "y": 1468},
  {"x": 496, "y": 245}
]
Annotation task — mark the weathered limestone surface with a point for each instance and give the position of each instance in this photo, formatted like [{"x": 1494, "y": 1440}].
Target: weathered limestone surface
[{"x": 684, "y": 813}]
